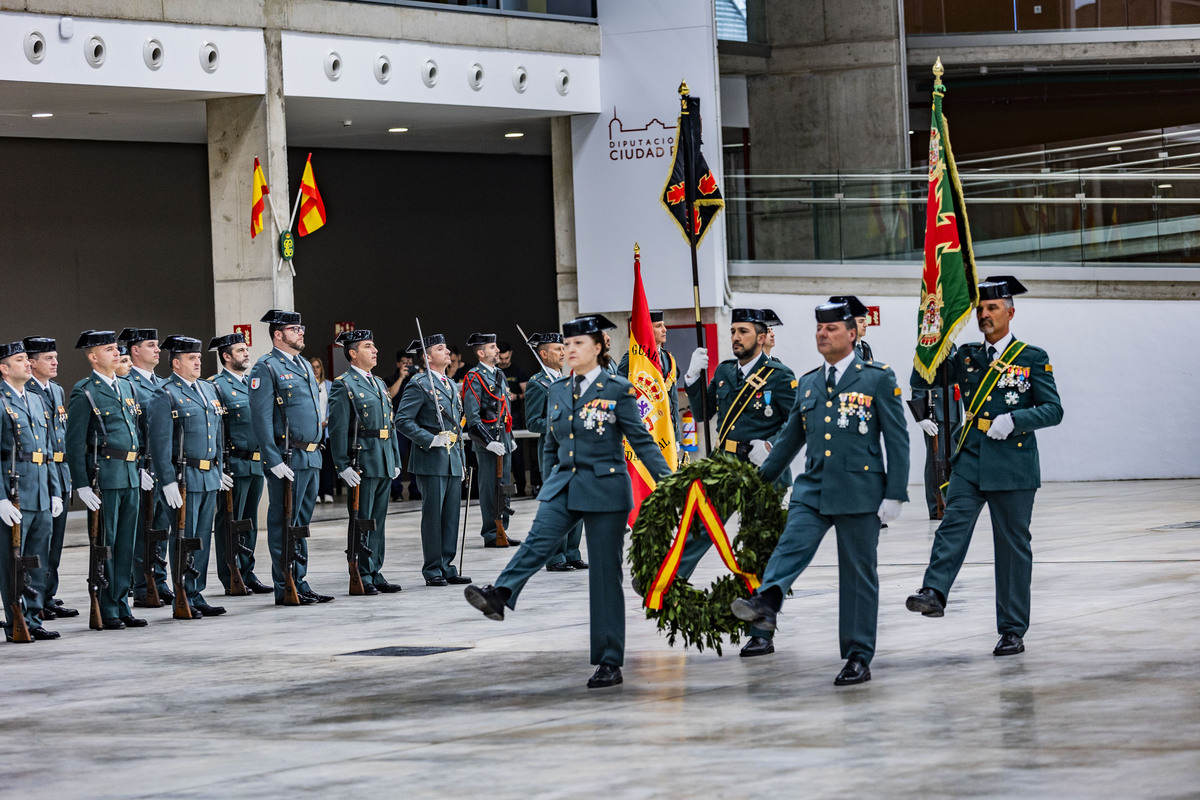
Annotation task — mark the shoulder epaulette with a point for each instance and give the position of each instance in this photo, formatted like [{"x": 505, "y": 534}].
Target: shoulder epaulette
[
  {"x": 877, "y": 365},
  {"x": 811, "y": 371}
]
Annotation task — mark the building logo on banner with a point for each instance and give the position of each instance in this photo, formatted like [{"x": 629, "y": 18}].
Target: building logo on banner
[
  {"x": 342, "y": 327},
  {"x": 655, "y": 139},
  {"x": 245, "y": 330}
]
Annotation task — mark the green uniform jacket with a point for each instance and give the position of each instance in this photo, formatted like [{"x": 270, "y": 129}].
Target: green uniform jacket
[
  {"x": 114, "y": 420},
  {"x": 485, "y": 401},
  {"x": 584, "y": 454},
  {"x": 154, "y": 425},
  {"x": 54, "y": 398},
  {"x": 1028, "y": 392},
  {"x": 235, "y": 396},
  {"x": 32, "y": 434},
  {"x": 768, "y": 409},
  {"x": 196, "y": 417},
  {"x": 379, "y": 449},
  {"x": 537, "y": 392},
  {"x": 670, "y": 377},
  {"x": 278, "y": 387},
  {"x": 417, "y": 418},
  {"x": 844, "y": 470}
]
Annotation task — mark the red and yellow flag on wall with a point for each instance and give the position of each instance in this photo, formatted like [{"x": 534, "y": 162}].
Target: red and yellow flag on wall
[
  {"x": 312, "y": 208},
  {"x": 258, "y": 200},
  {"x": 653, "y": 400}
]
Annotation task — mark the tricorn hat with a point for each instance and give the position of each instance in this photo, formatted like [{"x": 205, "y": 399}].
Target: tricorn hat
[
  {"x": 771, "y": 319},
  {"x": 748, "y": 315},
  {"x": 228, "y": 340},
  {"x": 135, "y": 335},
  {"x": 12, "y": 348},
  {"x": 998, "y": 287},
  {"x": 277, "y": 317},
  {"x": 476, "y": 339},
  {"x": 180, "y": 344},
  {"x": 39, "y": 344},
  {"x": 834, "y": 312},
  {"x": 583, "y": 326},
  {"x": 857, "y": 308},
  {"x": 95, "y": 339},
  {"x": 429, "y": 341},
  {"x": 349, "y": 337}
]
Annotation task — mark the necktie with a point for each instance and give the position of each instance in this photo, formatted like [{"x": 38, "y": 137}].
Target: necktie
[
  {"x": 831, "y": 380},
  {"x": 991, "y": 354},
  {"x": 578, "y": 386}
]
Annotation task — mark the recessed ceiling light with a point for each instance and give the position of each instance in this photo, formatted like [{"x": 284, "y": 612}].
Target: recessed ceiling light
[
  {"x": 42, "y": 115},
  {"x": 397, "y": 130},
  {"x": 513, "y": 135},
  {"x": 1114, "y": 148}
]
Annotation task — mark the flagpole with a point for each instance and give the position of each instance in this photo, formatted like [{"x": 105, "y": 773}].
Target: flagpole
[
  {"x": 689, "y": 195},
  {"x": 292, "y": 221}
]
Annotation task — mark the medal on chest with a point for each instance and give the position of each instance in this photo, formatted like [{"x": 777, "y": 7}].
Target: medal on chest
[
  {"x": 851, "y": 406},
  {"x": 1017, "y": 378},
  {"x": 597, "y": 413}
]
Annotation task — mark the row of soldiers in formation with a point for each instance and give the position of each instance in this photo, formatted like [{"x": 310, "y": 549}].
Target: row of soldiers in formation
[{"x": 130, "y": 444}]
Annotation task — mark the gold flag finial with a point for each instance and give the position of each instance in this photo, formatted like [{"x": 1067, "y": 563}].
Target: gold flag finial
[
  {"x": 636, "y": 249},
  {"x": 683, "y": 88},
  {"x": 938, "y": 70}
]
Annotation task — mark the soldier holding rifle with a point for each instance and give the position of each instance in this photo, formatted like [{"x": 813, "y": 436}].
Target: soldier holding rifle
[{"x": 489, "y": 424}]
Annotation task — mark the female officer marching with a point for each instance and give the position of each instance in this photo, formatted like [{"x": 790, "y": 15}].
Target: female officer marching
[{"x": 586, "y": 479}]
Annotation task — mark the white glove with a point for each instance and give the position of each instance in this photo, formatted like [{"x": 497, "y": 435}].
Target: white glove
[
  {"x": 147, "y": 481},
  {"x": 889, "y": 510},
  {"x": 929, "y": 426},
  {"x": 89, "y": 498},
  {"x": 440, "y": 440},
  {"x": 226, "y": 481},
  {"x": 1001, "y": 427},
  {"x": 698, "y": 365},
  {"x": 172, "y": 496},
  {"x": 495, "y": 448},
  {"x": 56, "y": 506},
  {"x": 512, "y": 448},
  {"x": 283, "y": 472},
  {"x": 351, "y": 477},
  {"x": 759, "y": 450},
  {"x": 9, "y": 513}
]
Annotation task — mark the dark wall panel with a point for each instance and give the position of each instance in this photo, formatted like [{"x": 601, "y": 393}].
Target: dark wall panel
[{"x": 103, "y": 235}]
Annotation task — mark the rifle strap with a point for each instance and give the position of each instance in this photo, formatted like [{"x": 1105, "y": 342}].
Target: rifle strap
[{"x": 98, "y": 415}]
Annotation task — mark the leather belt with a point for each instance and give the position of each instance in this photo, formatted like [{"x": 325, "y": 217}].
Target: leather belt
[
  {"x": 202, "y": 464},
  {"x": 307, "y": 447},
  {"x": 34, "y": 456},
  {"x": 249, "y": 455},
  {"x": 112, "y": 452},
  {"x": 372, "y": 433},
  {"x": 739, "y": 449}
]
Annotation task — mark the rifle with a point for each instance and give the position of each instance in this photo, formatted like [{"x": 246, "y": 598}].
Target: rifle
[
  {"x": 234, "y": 528},
  {"x": 922, "y": 411},
  {"x": 502, "y": 491},
  {"x": 532, "y": 349},
  {"x": 97, "y": 553},
  {"x": 151, "y": 536},
  {"x": 462, "y": 545},
  {"x": 19, "y": 579},
  {"x": 356, "y": 532},
  {"x": 184, "y": 544},
  {"x": 292, "y": 534}
]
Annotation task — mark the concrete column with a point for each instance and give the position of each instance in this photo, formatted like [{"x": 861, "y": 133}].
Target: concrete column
[
  {"x": 245, "y": 281},
  {"x": 566, "y": 267}
]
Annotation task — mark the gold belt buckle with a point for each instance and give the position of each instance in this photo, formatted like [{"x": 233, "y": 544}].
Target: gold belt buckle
[
  {"x": 384, "y": 433},
  {"x": 131, "y": 455},
  {"x": 256, "y": 457},
  {"x": 984, "y": 424},
  {"x": 37, "y": 458},
  {"x": 58, "y": 457},
  {"x": 205, "y": 465},
  {"x": 310, "y": 447},
  {"x": 730, "y": 446}
]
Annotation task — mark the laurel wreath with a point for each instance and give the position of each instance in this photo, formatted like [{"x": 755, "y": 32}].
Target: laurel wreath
[{"x": 702, "y": 617}]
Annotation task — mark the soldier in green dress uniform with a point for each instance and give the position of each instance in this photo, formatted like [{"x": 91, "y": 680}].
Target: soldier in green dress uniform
[
  {"x": 245, "y": 460},
  {"x": 102, "y": 436},
  {"x": 751, "y": 396},
  {"x": 195, "y": 447},
  {"x": 430, "y": 416},
  {"x": 551, "y": 353},
  {"x": 934, "y": 424},
  {"x": 849, "y": 414},
  {"x": 1009, "y": 392},
  {"x": 284, "y": 407},
  {"x": 589, "y": 414},
  {"x": 43, "y": 364},
  {"x": 154, "y": 428},
  {"x": 26, "y": 449},
  {"x": 360, "y": 416},
  {"x": 489, "y": 424}
]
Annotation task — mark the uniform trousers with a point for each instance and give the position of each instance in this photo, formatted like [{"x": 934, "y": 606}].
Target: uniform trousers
[
  {"x": 440, "y": 517},
  {"x": 35, "y": 541},
  {"x": 247, "y": 492},
  {"x": 304, "y": 497}
]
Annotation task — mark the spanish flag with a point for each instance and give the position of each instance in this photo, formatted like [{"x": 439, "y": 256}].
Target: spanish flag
[
  {"x": 653, "y": 402},
  {"x": 258, "y": 202},
  {"x": 312, "y": 208}
]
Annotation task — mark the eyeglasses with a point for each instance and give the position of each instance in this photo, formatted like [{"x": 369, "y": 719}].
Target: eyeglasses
[{"x": 295, "y": 328}]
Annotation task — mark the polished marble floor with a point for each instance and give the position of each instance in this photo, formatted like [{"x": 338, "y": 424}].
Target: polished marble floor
[{"x": 270, "y": 702}]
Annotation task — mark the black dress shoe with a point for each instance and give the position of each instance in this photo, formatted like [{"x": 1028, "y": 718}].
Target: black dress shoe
[
  {"x": 48, "y": 614},
  {"x": 166, "y": 595},
  {"x": 195, "y": 612},
  {"x": 605, "y": 675},
  {"x": 927, "y": 601},
  {"x": 144, "y": 602},
  {"x": 578, "y": 563},
  {"x": 1009, "y": 645},
  {"x": 369, "y": 589},
  {"x": 638, "y": 589},
  {"x": 133, "y": 622},
  {"x": 855, "y": 671},
  {"x": 111, "y": 624},
  {"x": 437, "y": 580},
  {"x": 511, "y": 543},
  {"x": 559, "y": 566},
  {"x": 487, "y": 600},
  {"x": 388, "y": 588},
  {"x": 757, "y": 646},
  {"x": 210, "y": 611},
  {"x": 755, "y": 611},
  {"x": 62, "y": 611},
  {"x": 305, "y": 600},
  {"x": 43, "y": 635},
  {"x": 257, "y": 586},
  {"x": 458, "y": 579},
  {"x": 316, "y": 598}
]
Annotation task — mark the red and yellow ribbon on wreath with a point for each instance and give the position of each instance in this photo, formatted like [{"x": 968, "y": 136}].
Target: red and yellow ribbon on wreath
[{"x": 697, "y": 502}]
